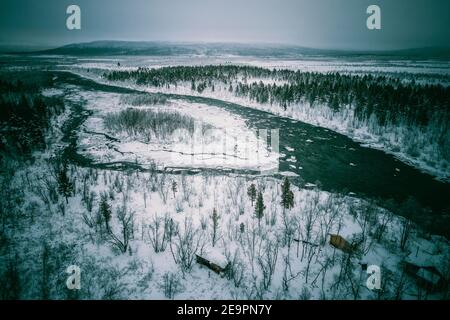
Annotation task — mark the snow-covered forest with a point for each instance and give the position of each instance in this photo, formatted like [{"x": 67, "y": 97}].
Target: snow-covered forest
[
  {"x": 407, "y": 118},
  {"x": 84, "y": 182}
]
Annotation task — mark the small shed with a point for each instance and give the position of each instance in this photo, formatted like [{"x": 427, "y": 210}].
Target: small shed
[
  {"x": 340, "y": 243},
  {"x": 428, "y": 277},
  {"x": 214, "y": 261}
]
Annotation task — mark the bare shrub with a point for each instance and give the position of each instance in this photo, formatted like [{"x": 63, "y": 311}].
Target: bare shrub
[
  {"x": 126, "y": 225},
  {"x": 267, "y": 262},
  {"x": 185, "y": 245},
  {"x": 159, "y": 232},
  {"x": 236, "y": 267},
  {"x": 149, "y": 124},
  {"x": 171, "y": 285}
]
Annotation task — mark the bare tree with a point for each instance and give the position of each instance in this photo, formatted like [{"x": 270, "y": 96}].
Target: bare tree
[
  {"x": 330, "y": 211},
  {"x": 310, "y": 256},
  {"x": 90, "y": 221},
  {"x": 405, "y": 233},
  {"x": 288, "y": 275},
  {"x": 215, "y": 226},
  {"x": 384, "y": 220},
  {"x": 354, "y": 284},
  {"x": 345, "y": 262},
  {"x": 365, "y": 214},
  {"x": 289, "y": 225},
  {"x": 268, "y": 261},
  {"x": 158, "y": 232},
  {"x": 310, "y": 220},
  {"x": 163, "y": 188},
  {"x": 323, "y": 271},
  {"x": 185, "y": 245},
  {"x": 126, "y": 223},
  {"x": 252, "y": 245},
  {"x": 171, "y": 285},
  {"x": 236, "y": 268},
  {"x": 400, "y": 286}
]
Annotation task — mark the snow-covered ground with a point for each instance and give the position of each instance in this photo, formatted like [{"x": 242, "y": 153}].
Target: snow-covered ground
[
  {"x": 392, "y": 140},
  {"x": 159, "y": 221},
  {"x": 307, "y": 64},
  {"x": 225, "y": 143},
  {"x": 308, "y": 270}
]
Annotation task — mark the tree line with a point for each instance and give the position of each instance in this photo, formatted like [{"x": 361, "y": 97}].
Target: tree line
[
  {"x": 390, "y": 99},
  {"x": 25, "y": 116}
]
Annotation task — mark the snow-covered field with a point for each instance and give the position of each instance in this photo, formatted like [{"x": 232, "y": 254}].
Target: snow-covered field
[
  {"x": 392, "y": 139},
  {"x": 307, "y": 64},
  {"x": 136, "y": 234},
  {"x": 389, "y": 139},
  {"x": 226, "y": 143},
  {"x": 268, "y": 259}
]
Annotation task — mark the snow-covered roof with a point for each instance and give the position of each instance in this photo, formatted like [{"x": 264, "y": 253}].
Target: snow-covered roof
[{"x": 215, "y": 256}]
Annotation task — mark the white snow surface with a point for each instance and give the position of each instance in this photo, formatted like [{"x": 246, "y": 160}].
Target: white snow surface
[
  {"x": 141, "y": 272},
  {"x": 228, "y": 144},
  {"x": 392, "y": 140}
]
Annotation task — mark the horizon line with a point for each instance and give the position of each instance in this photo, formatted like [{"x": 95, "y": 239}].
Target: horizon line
[{"x": 45, "y": 47}]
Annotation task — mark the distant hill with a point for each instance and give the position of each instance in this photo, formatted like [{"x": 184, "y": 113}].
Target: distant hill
[
  {"x": 167, "y": 49},
  {"x": 108, "y": 48}
]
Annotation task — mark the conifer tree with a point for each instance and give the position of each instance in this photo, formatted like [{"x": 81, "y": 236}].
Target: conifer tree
[
  {"x": 259, "y": 208},
  {"x": 287, "y": 196},
  {"x": 215, "y": 220},
  {"x": 65, "y": 186},
  {"x": 251, "y": 192},
  {"x": 105, "y": 210},
  {"x": 174, "y": 188}
]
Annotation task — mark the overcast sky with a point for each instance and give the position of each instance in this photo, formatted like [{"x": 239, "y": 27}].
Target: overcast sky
[{"x": 313, "y": 23}]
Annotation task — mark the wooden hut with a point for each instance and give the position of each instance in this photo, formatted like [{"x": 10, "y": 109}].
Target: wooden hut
[
  {"x": 427, "y": 277},
  {"x": 340, "y": 243},
  {"x": 219, "y": 266}
]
